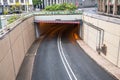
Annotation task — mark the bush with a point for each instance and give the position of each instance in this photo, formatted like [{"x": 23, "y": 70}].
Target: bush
[
  {"x": 70, "y": 7},
  {"x": 64, "y": 6},
  {"x": 12, "y": 19},
  {"x": 5, "y": 12}
]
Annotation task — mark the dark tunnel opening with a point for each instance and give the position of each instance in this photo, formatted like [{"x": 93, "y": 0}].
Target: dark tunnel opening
[{"x": 68, "y": 29}]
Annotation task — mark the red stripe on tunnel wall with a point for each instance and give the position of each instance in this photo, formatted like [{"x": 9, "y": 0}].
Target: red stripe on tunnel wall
[{"x": 65, "y": 22}]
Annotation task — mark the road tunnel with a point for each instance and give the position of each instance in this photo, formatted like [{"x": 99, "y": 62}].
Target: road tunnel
[{"x": 50, "y": 29}]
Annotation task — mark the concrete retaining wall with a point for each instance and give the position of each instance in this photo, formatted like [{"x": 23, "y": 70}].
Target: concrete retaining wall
[
  {"x": 111, "y": 37},
  {"x": 13, "y": 47}
]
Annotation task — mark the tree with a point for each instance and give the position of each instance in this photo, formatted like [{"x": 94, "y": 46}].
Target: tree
[{"x": 37, "y": 3}]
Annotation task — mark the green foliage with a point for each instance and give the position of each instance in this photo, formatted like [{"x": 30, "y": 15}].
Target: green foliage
[
  {"x": 12, "y": 8},
  {"x": 12, "y": 19},
  {"x": 5, "y": 11},
  {"x": 64, "y": 6},
  {"x": 37, "y": 2}
]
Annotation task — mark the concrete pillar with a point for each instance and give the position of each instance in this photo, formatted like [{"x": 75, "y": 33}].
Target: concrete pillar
[
  {"x": 48, "y": 2},
  {"x": 51, "y": 2},
  {"x": 115, "y": 7},
  {"x": 98, "y": 5},
  {"x": 103, "y": 6},
  {"x": 108, "y": 6},
  {"x": 57, "y": 2},
  {"x": 64, "y": 1},
  {"x": 61, "y": 1},
  {"x": 43, "y": 4}
]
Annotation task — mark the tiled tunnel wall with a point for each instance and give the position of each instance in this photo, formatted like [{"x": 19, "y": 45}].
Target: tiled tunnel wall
[{"x": 13, "y": 48}]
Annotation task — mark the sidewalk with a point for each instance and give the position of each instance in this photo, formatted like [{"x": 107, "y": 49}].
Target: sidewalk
[
  {"x": 25, "y": 72},
  {"x": 105, "y": 64}
]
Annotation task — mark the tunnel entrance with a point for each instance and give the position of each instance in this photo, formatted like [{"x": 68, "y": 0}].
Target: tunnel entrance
[{"x": 51, "y": 28}]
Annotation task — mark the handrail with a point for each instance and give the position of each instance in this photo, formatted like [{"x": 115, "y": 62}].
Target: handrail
[
  {"x": 101, "y": 32},
  {"x": 11, "y": 26}
]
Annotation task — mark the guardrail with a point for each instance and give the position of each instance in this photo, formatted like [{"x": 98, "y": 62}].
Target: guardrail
[
  {"x": 111, "y": 37},
  {"x": 9, "y": 26}
]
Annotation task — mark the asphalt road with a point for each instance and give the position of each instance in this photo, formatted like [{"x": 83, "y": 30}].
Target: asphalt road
[{"x": 61, "y": 58}]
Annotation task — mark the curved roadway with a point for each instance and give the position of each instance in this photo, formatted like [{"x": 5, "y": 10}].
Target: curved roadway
[{"x": 61, "y": 58}]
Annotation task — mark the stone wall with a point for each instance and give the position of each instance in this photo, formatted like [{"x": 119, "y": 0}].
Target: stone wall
[
  {"x": 13, "y": 47},
  {"x": 110, "y": 36}
]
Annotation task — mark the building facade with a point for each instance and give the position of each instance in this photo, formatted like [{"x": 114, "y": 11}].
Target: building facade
[
  {"x": 84, "y": 3},
  {"x": 109, "y": 6},
  {"x": 79, "y": 3},
  {"x": 24, "y": 5},
  {"x": 51, "y": 2}
]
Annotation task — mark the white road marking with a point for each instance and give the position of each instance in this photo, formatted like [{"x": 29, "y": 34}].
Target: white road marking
[
  {"x": 62, "y": 55},
  {"x": 63, "y": 59}
]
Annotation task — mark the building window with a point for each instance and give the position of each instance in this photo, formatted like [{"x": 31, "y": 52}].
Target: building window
[
  {"x": 111, "y": 2},
  {"x": 5, "y": 1},
  {"x": 27, "y": 1},
  {"x": 118, "y": 1},
  {"x": 16, "y": 0}
]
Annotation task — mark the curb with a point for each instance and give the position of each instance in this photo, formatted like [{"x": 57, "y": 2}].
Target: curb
[{"x": 104, "y": 63}]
